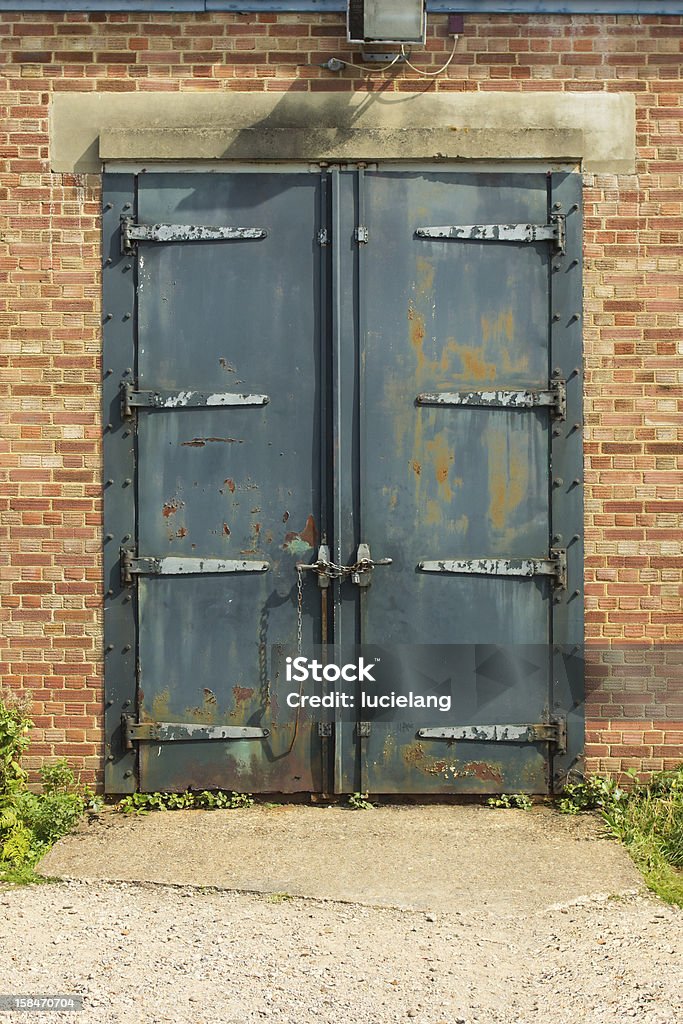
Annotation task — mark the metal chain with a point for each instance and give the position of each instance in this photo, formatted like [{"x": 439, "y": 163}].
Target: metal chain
[
  {"x": 299, "y": 607},
  {"x": 336, "y": 572},
  {"x": 326, "y": 571}
]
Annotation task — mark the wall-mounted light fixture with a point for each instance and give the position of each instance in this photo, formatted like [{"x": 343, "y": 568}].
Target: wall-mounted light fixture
[{"x": 386, "y": 21}]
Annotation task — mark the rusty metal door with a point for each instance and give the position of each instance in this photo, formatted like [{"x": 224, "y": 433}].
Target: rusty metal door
[
  {"x": 463, "y": 466},
  {"x": 362, "y": 361},
  {"x": 216, "y": 407}
]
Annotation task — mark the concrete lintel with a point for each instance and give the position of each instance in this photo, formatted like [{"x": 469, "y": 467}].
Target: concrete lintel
[
  {"x": 598, "y": 128},
  {"x": 340, "y": 144}
]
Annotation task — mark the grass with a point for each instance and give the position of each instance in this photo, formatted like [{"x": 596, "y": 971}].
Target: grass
[
  {"x": 279, "y": 897},
  {"x": 647, "y": 817}
]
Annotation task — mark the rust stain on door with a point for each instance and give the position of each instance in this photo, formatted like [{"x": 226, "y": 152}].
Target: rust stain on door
[
  {"x": 300, "y": 543},
  {"x": 508, "y": 472}
]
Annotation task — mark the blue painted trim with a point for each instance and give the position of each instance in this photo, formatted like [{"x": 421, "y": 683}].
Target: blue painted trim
[
  {"x": 670, "y": 7},
  {"x": 666, "y": 7}
]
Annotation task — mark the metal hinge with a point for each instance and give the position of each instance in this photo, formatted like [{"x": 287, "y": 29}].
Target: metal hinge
[
  {"x": 363, "y": 729},
  {"x": 361, "y": 234},
  {"x": 174, "y": 732},
  {"x": 555, "y": 566},
  {"x": 554, "y": 731},
  {"x": 325, "y": 729},
  {"x": 145, "y": 565},
  {"x": 555, "y": 398},
  {"x": 132, "y": 399},
  {"x": 132, "y": 233},
  {"x": 553, "y": 231},
  {"x": 323, "y": 237}
]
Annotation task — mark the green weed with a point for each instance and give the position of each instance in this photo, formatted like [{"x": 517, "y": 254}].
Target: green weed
[
  {"x": 646, "y": 816},
  {"x": 519, "y": 801},
  {"x": 30, "y": 823},
  {"x": 142, "y": 803},
  {"x": 360, "y": 802}
]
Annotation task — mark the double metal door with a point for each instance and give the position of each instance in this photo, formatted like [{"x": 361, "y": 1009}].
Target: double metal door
[{"x": 349, "y": 366}]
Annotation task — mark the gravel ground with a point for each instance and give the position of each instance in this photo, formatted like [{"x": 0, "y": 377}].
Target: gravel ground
[{"x": 138, "y": 951}]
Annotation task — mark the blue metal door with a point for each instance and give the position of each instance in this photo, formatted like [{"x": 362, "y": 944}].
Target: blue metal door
[
  {"x": 468, "y": 377},
  {"x": 374, "y": 363},
  {"x": 223, "y": 407}
]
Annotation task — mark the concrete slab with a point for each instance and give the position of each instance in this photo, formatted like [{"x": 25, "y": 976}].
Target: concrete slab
[
  {"x": 417, "y": 857},
  {"x": 596, "y": 127}
]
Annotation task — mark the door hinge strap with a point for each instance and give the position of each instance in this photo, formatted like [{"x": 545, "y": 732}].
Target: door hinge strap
[
  {"x": 132, "y": 233},
  {"x": 362, "y": 234},
  {"x": 132, "y": 399},
  {"x": 555, "y": 398},
  {"x": 555, "y": 566},
  {"x": 537, "y": 732},
  {"x": 170, "y": 732},
  {"x": 132, "y": 565},
  {"x": 554, "y": 231}
]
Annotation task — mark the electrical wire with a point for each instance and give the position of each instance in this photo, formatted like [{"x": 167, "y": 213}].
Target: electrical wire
[
  {"x": 401, "y": 57},
  {"x": 364, "y": 67},
  {"x": 430, "y": 74}
]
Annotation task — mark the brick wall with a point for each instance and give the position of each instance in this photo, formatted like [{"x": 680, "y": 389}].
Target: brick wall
[{"x": 50, "y": 508}]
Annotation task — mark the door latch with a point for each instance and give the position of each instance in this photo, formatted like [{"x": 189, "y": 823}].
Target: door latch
[{"x": 361, "y": 572}]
